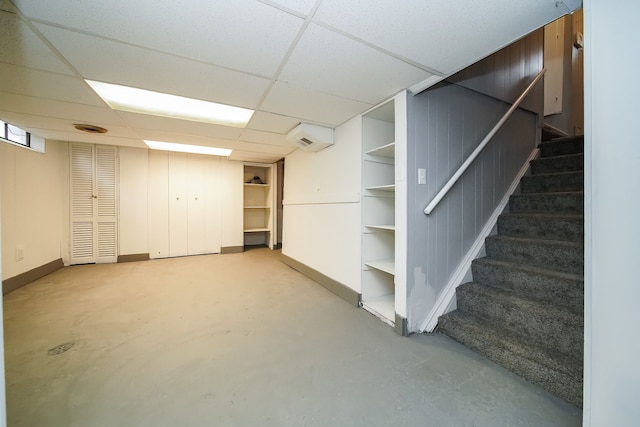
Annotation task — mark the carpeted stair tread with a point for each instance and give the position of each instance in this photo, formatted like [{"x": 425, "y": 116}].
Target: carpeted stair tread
[
  {"x": 551, "y": 328},
  {"x": 553, "y": 254},
  {"x": 555, "y": 164},
  {"x": 553, "y": 182},
  {"x": 560, "y": 376},
  {"x": 562, "y": 146},
  {"x": 568, "y": 227},
  {"x": 561, "y": 202},
  {"x": 548, "y": 286}
]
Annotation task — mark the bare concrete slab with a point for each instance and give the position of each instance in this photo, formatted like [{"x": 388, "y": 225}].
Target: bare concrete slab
[{"x": 238, "y": 340}]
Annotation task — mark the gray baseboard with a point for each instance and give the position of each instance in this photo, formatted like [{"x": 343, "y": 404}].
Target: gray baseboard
[
  {"x": 15, "y": 282},
  {"x": 133, "y": 257},
  {"x": 401, "y": 326},
  {"x": 231, "y": 249},
  {"x": 343, "y": 291}
]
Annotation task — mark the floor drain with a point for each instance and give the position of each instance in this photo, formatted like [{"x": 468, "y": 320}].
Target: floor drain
[{"x": 59, "y": 349}]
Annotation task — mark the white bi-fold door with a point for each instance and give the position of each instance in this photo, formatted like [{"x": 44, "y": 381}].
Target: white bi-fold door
[{"x": 94, "y": 203}]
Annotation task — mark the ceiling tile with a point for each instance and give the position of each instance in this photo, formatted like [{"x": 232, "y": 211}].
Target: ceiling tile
[
  {"x": 329, "y": 62},
  {"x": 43, "y": 84},
  {"x": 20, "y": 46},
  {"x": 248, "y": 156},
  {"x": 77, "y": 113},
  {"x": 322, "y": 108},
  {"x": 300, "y": 6},
  {"x": 243, "y": 34},
  {"x": 86, "y": 137},
  {"x": 263, "y": 148},
  {"x": 104, "y": 60},
  {"x": 269, "y": 122},
  {"x": 164, "y": 124},
  {"x": 270, "y": 138},
  {"x": 435, "y": 33}
]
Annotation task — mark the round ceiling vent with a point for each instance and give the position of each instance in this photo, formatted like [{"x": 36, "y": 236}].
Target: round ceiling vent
[{"x": 90, "y": 128}]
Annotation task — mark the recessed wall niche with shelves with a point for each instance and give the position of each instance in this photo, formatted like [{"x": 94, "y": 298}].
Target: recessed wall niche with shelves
[
  {"x": 258, "y": 205},
  {"x": 378, "y": 212}
]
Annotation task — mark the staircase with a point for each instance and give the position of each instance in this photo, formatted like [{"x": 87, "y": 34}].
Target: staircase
[{"x": 524, "y": 308}]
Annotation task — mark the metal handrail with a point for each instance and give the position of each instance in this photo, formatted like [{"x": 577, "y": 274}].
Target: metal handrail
[{"x": 434, "y": 202}]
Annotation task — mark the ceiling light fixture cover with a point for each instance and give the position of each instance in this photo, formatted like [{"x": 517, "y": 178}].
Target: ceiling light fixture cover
[
  {"x": 143, "y": 101},
  {"x": 186, "y": 148}
]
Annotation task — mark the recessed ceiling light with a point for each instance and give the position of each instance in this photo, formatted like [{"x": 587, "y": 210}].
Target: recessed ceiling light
[
  {"x": 186, "y": 148},
  {"x": 178, "y": 107}
]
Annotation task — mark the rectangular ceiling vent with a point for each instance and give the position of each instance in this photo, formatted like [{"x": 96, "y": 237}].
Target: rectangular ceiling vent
[{"x": 310, "y": 137}]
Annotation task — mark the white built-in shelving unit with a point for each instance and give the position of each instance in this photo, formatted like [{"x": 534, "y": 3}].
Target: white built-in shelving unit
[
  {"x": 379, "y": 211},
  {"x": 258, "y": 204}
]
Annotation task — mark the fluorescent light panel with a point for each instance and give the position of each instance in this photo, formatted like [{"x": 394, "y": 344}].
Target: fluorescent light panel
[
  {"x": 186, "y": 148},
  {"x": 178, "y": 107}
]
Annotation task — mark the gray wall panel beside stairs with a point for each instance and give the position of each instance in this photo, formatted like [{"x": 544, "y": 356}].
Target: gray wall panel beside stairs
[{"x": 446, "y": 123}]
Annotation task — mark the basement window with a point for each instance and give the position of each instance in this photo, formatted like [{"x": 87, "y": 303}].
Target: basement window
[{"x": 14, "y": 134}]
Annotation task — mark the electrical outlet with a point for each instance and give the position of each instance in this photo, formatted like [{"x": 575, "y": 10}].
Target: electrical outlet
[
  {"x": 19, "y": 253},
  {"x": 422, "y": 176}
]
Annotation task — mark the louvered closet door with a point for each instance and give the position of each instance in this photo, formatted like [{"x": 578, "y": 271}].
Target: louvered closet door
[{"x": 93, "y": 203}]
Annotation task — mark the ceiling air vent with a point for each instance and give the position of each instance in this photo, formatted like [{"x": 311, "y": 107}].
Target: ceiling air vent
[{"x": 310, "y": 137}]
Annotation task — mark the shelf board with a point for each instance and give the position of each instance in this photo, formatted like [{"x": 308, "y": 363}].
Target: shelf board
[
  {"x": 257, "y": 207},
  {"x": 387, "y": 150},
  {"x": 390, "y": 188},
  {"x": 386, "y": 265},
  {"x": 382, "y": 307},
  {"x": 388, "y": 227},
  {"x": 246, "y": 184},
  {"x": 256, "y": 230}
]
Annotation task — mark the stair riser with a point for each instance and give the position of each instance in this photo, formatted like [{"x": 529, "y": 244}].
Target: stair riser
[
  {"x": 570, "y": 163},
  {"x": 543, "y": 253},
  {"x": 570, "y": 181},
  {"x": 559, "y": 203},
  {"x": 566, "y": 229},
  {"x": 561, "y": 147},
  {"x": 563, "y": 292},
  {"x": 561, "y": 333},
  {"x": 564, "y": 385}
]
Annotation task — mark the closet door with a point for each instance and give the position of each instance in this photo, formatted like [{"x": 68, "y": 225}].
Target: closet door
[
  {"x": 178, "y": 205},
  {"x": 93, "y": 195},
  {"x": 196, "y": 202}
]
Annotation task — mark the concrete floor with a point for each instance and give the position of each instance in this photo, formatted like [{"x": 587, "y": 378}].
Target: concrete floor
[{"x": 238, "y": 340}]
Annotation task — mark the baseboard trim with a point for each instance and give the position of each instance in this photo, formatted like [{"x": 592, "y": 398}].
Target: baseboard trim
[
  {"x": 343, "y": 291},
  {"x": 449, "y": 292},
  {"x": 15, "y": 282},
  {"x": 231, "y": 249},
  {"x": 400, "y": 326},
  {"x": 133, "y": 257}
]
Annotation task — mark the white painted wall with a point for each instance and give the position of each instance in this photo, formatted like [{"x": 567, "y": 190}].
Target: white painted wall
[
  {"x": 322, "y": 219},
  {"x": 32, "y": 206},
  {"x": 612, "y": 209},
  {"x": 132, "y": 226}
]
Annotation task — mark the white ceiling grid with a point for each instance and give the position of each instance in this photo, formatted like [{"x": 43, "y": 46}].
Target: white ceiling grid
[{"x": 320, "y": 61}]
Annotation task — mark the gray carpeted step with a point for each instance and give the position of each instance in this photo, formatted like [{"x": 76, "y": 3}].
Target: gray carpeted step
[
  {"x": 547, "y": 326},
  {"x": 562, "y": 202},
  {"x": 566, "y": 163},
  {"x": 542, "y": 226},
  {"x": 560, "y": 376},
  {"x": 552, "y": 287},
  {"x": 562, "y": 146},
  {"x": 553, "y": 182},
  {"x": 553, "y": 254}
]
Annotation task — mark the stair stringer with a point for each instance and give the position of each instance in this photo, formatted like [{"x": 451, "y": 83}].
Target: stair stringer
[{"x": 463, "y": 270}]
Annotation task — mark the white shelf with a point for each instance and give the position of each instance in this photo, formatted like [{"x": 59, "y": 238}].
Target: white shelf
[
  {"x": 256, "y": 185},
  {"x": 382, "y": 307},
  {"x": 255, "y": 230},
  {"x": 386, "y": 265},
  {"x": 387, "y": 227},
  {"x": 390, "y": 188},
  {"x": 257, "y": 207},
  {"x": 388, "y": 150}
]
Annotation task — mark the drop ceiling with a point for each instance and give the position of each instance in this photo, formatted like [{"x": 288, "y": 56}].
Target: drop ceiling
[{"x": 318, "y": 61}]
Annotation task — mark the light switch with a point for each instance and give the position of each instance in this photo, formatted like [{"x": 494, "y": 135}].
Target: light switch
[{"x": 422, "y": 176}]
